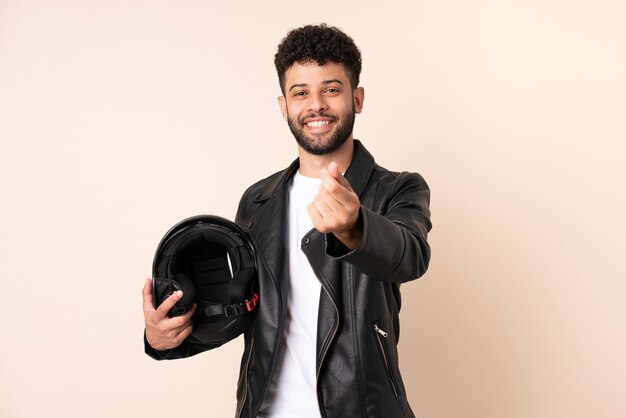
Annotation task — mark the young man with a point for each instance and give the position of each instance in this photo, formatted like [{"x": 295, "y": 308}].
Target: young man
[{"x": 323, "y": 343}]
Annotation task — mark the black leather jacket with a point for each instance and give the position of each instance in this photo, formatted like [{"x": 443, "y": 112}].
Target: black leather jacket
[{"x": 358, "y": 325}]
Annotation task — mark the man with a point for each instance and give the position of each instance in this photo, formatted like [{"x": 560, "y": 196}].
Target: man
[{"x": 324, "y": 339}]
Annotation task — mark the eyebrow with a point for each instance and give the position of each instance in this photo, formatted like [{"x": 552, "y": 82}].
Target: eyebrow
[{"x": 325, "y": 82}]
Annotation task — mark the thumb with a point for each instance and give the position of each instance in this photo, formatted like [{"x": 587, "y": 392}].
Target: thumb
[
  {"x": 333, "y": 170},
  {"x": 147, "y": 295}
]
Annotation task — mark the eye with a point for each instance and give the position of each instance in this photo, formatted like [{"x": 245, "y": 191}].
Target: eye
[
  {"x": 299, "y": 93},
  {"x": 332, "y": 90}
]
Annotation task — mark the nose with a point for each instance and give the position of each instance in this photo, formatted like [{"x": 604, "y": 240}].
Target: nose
[{"x": 317, "y": 102}]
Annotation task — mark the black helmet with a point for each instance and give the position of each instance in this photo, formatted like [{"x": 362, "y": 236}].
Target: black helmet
[{"x": 211, "y": 260}]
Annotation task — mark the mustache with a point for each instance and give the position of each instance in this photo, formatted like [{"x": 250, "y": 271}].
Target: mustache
[{"x": 317, "y": 115}]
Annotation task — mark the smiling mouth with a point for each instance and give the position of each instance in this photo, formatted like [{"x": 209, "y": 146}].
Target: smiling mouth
[{"x": 317, "y": 123}]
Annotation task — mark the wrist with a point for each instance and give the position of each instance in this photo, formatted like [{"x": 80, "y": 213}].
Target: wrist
[{"x": 351, "y": 237}]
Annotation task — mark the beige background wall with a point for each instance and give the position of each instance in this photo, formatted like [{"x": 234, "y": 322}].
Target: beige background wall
[{"x": 119, "y": 118}]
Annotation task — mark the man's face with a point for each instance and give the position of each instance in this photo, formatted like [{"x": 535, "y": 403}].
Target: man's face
[{"x": 319, "y": 105}]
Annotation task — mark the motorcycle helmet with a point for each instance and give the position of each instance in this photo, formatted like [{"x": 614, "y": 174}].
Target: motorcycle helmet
[{"x": 210, "y": 259}]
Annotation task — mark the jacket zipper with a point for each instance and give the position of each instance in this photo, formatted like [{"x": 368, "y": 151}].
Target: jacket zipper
[
  {"x": 323, "y": 356},
  {"x": 381, "y": 335}
]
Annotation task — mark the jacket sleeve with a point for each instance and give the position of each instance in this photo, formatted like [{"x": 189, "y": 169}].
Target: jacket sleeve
[
  {"x": 393, "y": 246},
  {"x": 184, "y": 350}
]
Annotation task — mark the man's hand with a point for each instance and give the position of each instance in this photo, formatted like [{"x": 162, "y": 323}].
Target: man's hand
[
  {"x": 163, "y": 332},
  {"x": 336, "y": 208}
]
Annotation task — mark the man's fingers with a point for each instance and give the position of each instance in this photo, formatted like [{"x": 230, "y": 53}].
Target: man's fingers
[
  {"x": 336, "y": 207},
  {"x": 163, "y": 332},
  {"x": 314, "y": 213},
  {"x": 333, "y": 170},
  {"x": 169, "y": 302},
  {"x": 322, "y": 216},
  {"x": 184, "y": 333},
  {"x": 187, "y": 316},
  {"x": 147, "y": 295},
  {"x": 326, "y": 204},
  {"x": 333, "y": 193}
]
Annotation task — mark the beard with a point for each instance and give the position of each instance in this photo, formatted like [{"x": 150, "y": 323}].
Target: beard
[{"x": 316, "y": 144}]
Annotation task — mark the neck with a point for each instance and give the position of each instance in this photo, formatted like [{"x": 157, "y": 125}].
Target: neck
[{"x": 311, "y": 164}]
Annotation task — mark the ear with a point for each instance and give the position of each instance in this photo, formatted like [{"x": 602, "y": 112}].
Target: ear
[
  {"x": 359, "y": 97},
  {"x": 282, "y": 103}
]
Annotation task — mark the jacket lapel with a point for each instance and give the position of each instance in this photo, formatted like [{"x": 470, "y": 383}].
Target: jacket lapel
[
  {"x": 360, "y": 169},
  {"x": 271, "y": 237}
]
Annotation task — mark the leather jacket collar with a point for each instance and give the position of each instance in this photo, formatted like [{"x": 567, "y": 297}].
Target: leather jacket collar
[{"x": 357, "y": 174}]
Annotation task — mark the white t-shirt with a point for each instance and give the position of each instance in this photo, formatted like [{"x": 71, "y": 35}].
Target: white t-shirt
[{"x": 292, "y": 392}]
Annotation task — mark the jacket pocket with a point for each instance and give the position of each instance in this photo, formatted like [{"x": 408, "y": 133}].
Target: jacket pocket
[{"x": 381, "y": 337}]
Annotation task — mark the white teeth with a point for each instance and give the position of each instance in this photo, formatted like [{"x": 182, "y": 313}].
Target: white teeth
[{"x": 318, "y": 123}]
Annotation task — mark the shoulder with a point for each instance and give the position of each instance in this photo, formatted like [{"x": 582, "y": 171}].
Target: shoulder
[
  {"x": 263, "y": 187},
  {"x": 258, "y": 193},
  {"x": 396, "y": 181}
]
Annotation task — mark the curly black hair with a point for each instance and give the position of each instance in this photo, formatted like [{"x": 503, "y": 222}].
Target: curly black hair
[{"x": 319, "y": 43}]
